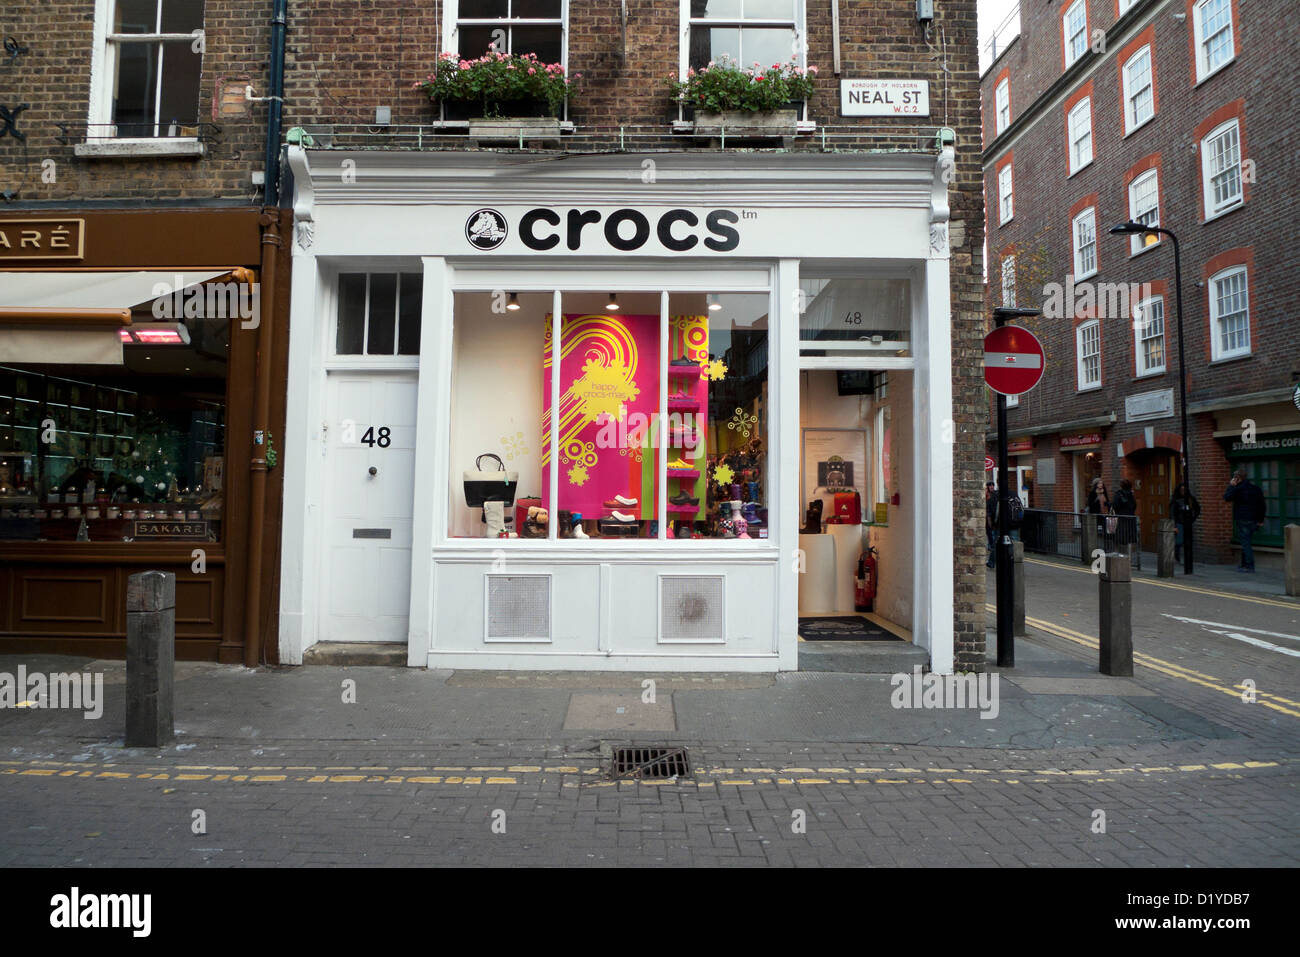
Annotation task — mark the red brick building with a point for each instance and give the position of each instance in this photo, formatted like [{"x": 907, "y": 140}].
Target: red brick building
[{"x": 1168, "y": 112}]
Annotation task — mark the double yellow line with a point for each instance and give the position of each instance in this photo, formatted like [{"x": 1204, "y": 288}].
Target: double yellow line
[
  {"x": 1276, "y": 702},
  {"x": 1277, "y": 603}
]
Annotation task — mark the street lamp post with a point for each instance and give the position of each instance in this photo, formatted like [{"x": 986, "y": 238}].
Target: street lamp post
[
  {"x": 1004, "y": 573},
  {"x": 1133, "y": 228}
]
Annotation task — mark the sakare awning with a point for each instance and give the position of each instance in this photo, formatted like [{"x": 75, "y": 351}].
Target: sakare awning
[{"x": 77, "y": 317}]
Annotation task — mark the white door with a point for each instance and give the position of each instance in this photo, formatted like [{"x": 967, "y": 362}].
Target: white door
[{"x": 369, "y": 494}]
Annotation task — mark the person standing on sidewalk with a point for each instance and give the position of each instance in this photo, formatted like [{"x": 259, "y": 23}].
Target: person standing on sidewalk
[
  {"x": 1248, "y": 511},
  {"x": 1183, "y": 509},
  {"x": 1126, "y": 506},
  {"x": 991, "y": 521}
]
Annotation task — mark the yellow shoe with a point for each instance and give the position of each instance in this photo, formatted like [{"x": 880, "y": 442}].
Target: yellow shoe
[{"x": 680, "y": 463}]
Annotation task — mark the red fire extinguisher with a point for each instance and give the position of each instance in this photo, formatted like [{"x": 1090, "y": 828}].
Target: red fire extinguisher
[{"x": 864, "y": 586}]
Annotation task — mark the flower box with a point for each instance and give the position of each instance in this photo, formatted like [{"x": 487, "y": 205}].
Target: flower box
[
  {"x": 747, "y": 125},
  {"x": 514, "y": 130}
]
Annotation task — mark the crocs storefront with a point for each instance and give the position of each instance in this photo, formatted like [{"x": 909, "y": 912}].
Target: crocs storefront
[{"x": 544, "y": 412}]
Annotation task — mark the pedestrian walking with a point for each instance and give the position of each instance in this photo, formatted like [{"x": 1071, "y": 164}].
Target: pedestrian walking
[
  {"x": 1248, "y": 512},
  {"x": 1183, "y": 509},
  {"x": 991, "y": 521},
  {"x": 1099, "y": 505},
  {"x": 1126, "y": 510}
]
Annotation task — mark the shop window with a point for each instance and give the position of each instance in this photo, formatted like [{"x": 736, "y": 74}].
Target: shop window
[
  {"x": 1221, "y": 169},
  {"x": 855, "y": 316},
  {"x": 1149, "y": 335},
  {"x": 1006, "y": 203},
  {"x": 1229, "y": 314},
  {"x": 1085, "y": 243},
  {"x": 615, "y": 430},
  {"x": 1144, "y": 207},
  {"x": 1139, "y": 91},
  {"x": 1080, "y": 135},
  {"x": 1002, "y": 102},
  {"x": 1074, "y": 24},
  {"x": 148, "y": 82},
  {"x": 518, "y": 27},
  {"x": 1088, "y": 351},
  {"x": 1212, "y": 29},
  {"x": 128, "y": 453},
  {"x": 378, "y": 314},
  {"x": 1279, "y": 480}
]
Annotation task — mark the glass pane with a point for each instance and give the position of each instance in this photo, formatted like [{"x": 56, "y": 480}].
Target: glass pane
[
  {"x": 180, "y": 91},
  {"x": 715, "y": 8},
  {"x": 408, "y": 312},
  {"x": 535, "y": 9},
  {"x": 546, "y": 42},
  {"x": 609, "y": 414},
  {"x": 766, "y": 47},
  {"x": 497, "y": 408},
  {"x": 352, "y": 314},
  {"x": 139, "y": 450},
  {"x": 875, "y": 314},
  {"x": 382, "y": 326},
  {"x": 719, "y": 416},
  {"x": 136, "y": 16},
  {"x": 136, "y": 90},
  {"x": 182, "y": 16},
  {"x": 482, "y": 9},
  {"x": 472, "y": 42},
  {"x": 769, "y": 9},
  {"x": 710, "y": 45}
]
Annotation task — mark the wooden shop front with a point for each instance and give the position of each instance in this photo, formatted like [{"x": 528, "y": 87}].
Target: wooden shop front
[{"x": 141, "y": 390}]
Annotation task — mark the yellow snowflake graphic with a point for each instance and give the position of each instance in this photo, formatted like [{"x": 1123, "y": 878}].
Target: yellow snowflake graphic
[
  {"x": 717, "y": 369},
  {"x": 605, "y": 389},
  {"x": 578, "y": 475},
  {"x": 514, "y": 445},
  {"x": 723, "y": 475}
]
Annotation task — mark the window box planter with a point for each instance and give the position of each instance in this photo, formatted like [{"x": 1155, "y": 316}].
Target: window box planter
[
  {"x": 514, "y": 129},
  {"x": 747, "y": 125}
]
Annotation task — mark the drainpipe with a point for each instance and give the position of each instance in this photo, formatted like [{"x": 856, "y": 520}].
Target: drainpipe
[
  {"x": 271, "y": 186},
  {"x": 271, "y": 244}
]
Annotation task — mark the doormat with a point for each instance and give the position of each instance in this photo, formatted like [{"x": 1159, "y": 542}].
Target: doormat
[{"x": 843, "y": 628}]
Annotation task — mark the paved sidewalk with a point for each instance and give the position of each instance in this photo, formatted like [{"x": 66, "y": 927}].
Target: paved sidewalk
[{"x": 1264, "y": 581}]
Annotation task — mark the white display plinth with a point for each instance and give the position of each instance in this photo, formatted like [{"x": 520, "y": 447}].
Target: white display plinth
[
  {"x": 817, "y": 583},
  {"x": 848, "y": 546}
]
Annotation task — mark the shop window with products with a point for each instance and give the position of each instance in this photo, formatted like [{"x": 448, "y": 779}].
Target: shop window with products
[
  {"x": 125, "y": 453},
  {"x": 656, "y": 410}
]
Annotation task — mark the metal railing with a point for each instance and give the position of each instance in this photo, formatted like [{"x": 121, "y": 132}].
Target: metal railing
[{"x": 1060, "y": 534}]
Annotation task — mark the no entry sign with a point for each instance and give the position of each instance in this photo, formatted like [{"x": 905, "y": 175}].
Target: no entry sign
[{"x": 1013, "y": 360}]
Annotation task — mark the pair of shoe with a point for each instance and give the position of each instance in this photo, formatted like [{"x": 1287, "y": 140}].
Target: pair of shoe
[
  {"x": 683, "y": 361},
  {"x": 680, "y": 463},
  {"x": 681, "y": 498},
  {"x": 620, "y": 501}
]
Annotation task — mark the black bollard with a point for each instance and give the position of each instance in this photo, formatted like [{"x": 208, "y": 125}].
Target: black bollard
[
  {"x": 1116, "y": 617},
  {"x": 150, "y": 659},
  {"x": 1018, "y": 617}
]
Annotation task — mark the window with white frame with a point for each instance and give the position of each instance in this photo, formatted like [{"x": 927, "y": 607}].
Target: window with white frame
[
  {"x": 519, "y": 27},
  {"x": 1085, "y": 243},
  {"x": 1002, "y": 105},
  {"x": 1221, "y": 168},
  {"x": 1144, "y": 207},
  {"x": 1124, "y": 6},
  {"x": 1229, "y": 314},
  {"x": 746, "y": 31},
  {"x": 1139, "y": 91},
  {"x": 1008, "y": 280},
  {"x": 1087, "y": 341},
  {"x": 1080, "y": 135},
  {"x": 1075, "y": 26},
  {"x": 1149, "y": 335},
  {"x": 1006, "y": 205},
  {"x": 378, "y": 314},
  {"x": 1212, "y": 30},
  {"x": 147, "y": 82}
]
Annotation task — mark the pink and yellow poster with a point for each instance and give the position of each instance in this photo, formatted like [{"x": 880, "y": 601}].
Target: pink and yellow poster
[{"x": 609, "y": 400}]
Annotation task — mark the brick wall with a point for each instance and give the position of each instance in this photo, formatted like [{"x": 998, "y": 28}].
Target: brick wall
[{"x": 54, "y": 78}]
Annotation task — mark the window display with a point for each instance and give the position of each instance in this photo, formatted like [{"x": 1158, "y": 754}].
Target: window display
[
  {"x": 117, "y": 454},
  {"x": 617, "y": 434}
]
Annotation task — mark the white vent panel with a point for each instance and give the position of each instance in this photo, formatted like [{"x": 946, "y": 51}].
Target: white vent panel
[
  {"x": 692, "y": 608},
  {"x": 518, "y": 608}
]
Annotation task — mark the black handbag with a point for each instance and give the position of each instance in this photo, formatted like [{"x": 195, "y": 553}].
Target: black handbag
[{"x": 490, "y": 486}]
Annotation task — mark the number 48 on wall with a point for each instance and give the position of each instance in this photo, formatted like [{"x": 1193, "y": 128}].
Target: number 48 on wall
[{"x": 383, "y": 439}]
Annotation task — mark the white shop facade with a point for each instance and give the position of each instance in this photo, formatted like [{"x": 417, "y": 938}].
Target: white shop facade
[{"x": 659, "y": 352}]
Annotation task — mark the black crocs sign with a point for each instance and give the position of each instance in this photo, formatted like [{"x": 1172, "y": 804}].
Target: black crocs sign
[{"x": 623, "y": 230}]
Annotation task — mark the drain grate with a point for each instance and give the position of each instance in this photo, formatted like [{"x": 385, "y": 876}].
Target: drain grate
[{"x": 644, "y": 763}]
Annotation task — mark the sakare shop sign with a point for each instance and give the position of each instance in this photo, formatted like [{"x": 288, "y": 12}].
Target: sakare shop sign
[{"x": 623, "y": 229}]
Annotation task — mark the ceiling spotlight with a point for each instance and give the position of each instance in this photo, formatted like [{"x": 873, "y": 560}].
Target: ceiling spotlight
[
  {"x": 513, "y": 304},
  {"x": 714, "y": 304},
  {"x": 613, "y": 302}
]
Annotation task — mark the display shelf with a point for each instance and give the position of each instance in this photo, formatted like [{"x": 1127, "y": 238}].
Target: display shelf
[
  {"x": 684, "y": 473},
  {"x": 683, "y": 405},
  {"x": 685, "y": 372},
  {"x": 684, "y": 509}
]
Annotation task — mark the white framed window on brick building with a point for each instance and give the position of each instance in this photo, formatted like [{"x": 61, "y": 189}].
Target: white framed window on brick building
[
  {"x": 1008, "y": 280},
  {"x": 1144, "y": 207},
  {"x": 144, "y": 77},
  {"x": 1149, "y": 335},
  {"x": 1221, "y": 169},
  {"x": 1080, "y": 135},
  {"x": 1139, "y": 90},
  {"x": 1229, "y": 314},
  {"x": 746, "y": 31},
  {"x": 1074, "y": 26},
  {"x": 509, "y": 26},
  {"x": 1087, "y": 342},
  {"x": 1002, "y": 107},
  {"x": 1212, "y": 32},
  {"x": 1085, "y": 243},
  {"x": 1006, "y": 201}
]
